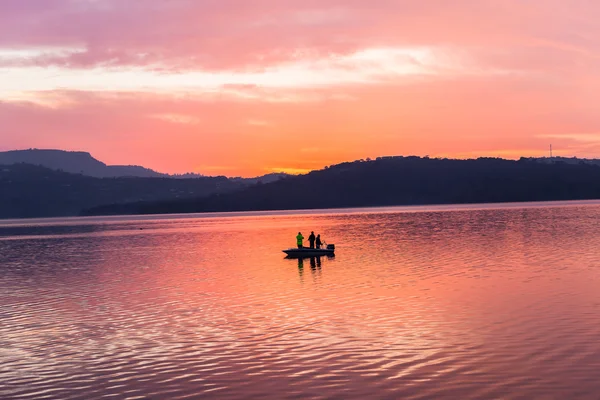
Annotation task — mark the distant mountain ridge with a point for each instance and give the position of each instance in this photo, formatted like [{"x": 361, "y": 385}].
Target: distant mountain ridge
[
  {"x": 81, "y": 162},
  {"x": 75, "y": 162}
]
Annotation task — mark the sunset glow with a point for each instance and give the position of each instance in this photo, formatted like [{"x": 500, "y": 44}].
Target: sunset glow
[{"x": 240, "y": 87}]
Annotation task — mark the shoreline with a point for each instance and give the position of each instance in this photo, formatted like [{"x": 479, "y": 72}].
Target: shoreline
[{"x": 315, "y": 211}]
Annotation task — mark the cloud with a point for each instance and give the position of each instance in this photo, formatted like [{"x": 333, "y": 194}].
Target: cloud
[
  {"x": 593, "y": 137},
  {"x": 369, "y": 66},
  {"x": 32, "y": 56},
  {"x": 218, "y": 47},
  {"x": 177, "y": 118},
  {"x": 239, "y": 34}
]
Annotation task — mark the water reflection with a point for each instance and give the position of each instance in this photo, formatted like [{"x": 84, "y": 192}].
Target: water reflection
[
  {"x": 315, "y": 264},
  {"x": 464, "y": 304}
]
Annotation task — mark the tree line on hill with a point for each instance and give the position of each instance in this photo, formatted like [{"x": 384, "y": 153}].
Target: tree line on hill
[
  {"x": 30, "y": 191},
  {"x": 48, "y": 183},
  {"x": 394, "y": 181}
]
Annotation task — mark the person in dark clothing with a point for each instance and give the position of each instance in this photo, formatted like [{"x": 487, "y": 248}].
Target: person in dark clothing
[
  {"x": 319, "y": 243},
  {"x": 311, "y": 240}
]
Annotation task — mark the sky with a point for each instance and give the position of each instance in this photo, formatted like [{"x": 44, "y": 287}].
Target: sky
[{"x": 247, "y": 87}]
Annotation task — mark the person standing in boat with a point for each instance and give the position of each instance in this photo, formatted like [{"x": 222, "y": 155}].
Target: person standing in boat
[
  {"x": 311, "y": 240},
  {"x": 299, "y": 240},
  {"x": 318, "y": 242}
]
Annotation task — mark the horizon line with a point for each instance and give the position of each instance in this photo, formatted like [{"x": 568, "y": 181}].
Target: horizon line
[{"x": 305, "y": 171}]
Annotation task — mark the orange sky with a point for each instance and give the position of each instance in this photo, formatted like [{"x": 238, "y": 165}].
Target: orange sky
[{"x": 243, "y": 87}]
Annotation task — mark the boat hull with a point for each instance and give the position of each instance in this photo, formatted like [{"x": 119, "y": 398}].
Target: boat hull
[{"x": 308, "y": 252}]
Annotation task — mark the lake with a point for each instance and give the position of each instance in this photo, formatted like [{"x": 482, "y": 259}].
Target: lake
[{"x": 496, "y": 301}]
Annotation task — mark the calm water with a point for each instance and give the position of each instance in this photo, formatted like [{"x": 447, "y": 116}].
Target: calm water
[{"x": 489, "y": 302}]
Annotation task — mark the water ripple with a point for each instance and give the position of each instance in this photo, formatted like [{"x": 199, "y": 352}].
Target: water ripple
[{"x": 435, "y": 303}]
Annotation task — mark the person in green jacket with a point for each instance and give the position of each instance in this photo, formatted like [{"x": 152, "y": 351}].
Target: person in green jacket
[{"x": 299, "y": 240}]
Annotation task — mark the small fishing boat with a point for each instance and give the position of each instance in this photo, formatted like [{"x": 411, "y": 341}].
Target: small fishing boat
[{"x": 308, "y": 252}]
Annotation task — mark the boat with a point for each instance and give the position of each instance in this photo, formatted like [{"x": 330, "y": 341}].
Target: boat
[{"x": 308, "y": 252}]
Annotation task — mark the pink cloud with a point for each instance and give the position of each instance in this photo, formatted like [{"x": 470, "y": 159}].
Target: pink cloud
[{"x": 191, "y": 34}]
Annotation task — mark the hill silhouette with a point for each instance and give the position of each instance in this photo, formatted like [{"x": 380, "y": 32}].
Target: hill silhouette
[
  {"x": 76, "y": 162},
  {"x": 396, "y": 181},
  {"x": 80, "y": 162},
  {"x": 28, "y": 191}
]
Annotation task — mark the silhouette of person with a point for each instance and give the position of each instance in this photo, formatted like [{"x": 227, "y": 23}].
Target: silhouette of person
[
  {"x": 299, "y": 239},
  {"x": 319, "y": 243},
  {"x": 311, "y": 240}
]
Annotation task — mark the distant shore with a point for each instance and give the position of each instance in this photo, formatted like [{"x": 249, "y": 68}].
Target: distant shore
[
  {"x": 402, "y": 181},
  {"x": 346, "y": 210},
  {"x": 79, "y": 220},
  {"x": 30, "y": 191}
]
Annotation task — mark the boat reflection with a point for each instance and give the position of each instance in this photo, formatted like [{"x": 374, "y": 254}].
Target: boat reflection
[{"x": 314, "y": 262}]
